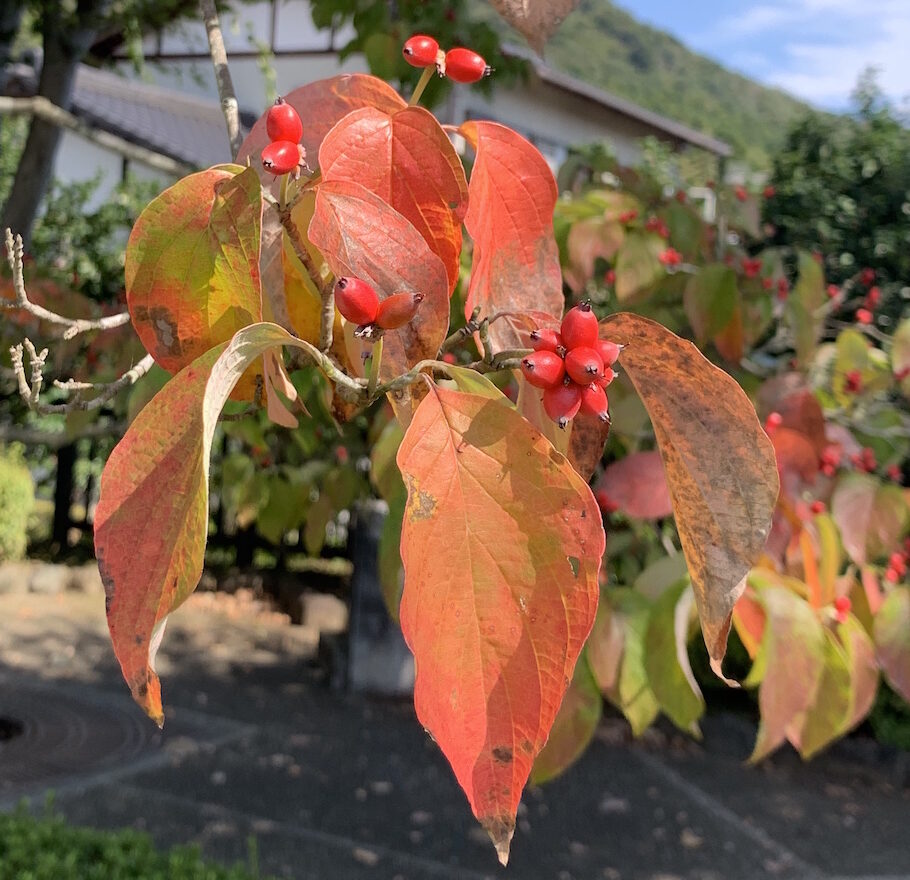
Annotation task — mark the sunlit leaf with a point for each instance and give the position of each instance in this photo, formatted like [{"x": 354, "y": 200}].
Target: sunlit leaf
[
  {"x": 501, "y": 543},
  {"x": 535, "y": 20},
  {"x": 637, "y": 266},
  {"x": 510, "y": 219},
  {"x": 407, "y": 160},
  {"x": 710, "y": 300},
  {"x": 719, "y": 463},
  {"x": 872, "y": 516},
  {"x": 574, "y": 726},
  {"x": 803, "y": 307},
  {"x": 151, "y": 521},
  {"x": 892, "y": 639}
]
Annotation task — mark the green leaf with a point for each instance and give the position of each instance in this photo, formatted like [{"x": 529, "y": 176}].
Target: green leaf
[
  {"x": 574, "y": 726},
  {"x": 900, "y": 354},
  {"x": 710, "y": 300},
  {"x": 667, "y": 661},
  {"x": 637, "y": 266},
  {"x": 892, "y": 639},
  {"x": 803, "y": 307}
]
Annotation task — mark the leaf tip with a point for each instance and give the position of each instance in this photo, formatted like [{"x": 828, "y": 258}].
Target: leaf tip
[
  {"x": 500, "y": 829},
  {"x": 717, "y": 669}
]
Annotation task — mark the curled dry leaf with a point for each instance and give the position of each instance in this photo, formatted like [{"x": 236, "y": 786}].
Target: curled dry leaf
[
  {"x": 535, "y": 20},
  {"x": 719, "y": 463}
]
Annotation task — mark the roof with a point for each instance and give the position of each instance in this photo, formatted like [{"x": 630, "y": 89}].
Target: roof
[
  {"x": 183, "y": 127},
  {"x": 674, "y": 130}
]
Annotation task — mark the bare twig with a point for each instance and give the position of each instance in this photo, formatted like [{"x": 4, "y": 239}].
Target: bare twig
[
  {"x": 229, "y": 105},
  {"x": 30, "y": 389},
  {"x": 74, "y": 326},
  {"x": 44, "y": 109},
  {"x": 470, "y": 328},
  {"x": 325, "y": 286}
]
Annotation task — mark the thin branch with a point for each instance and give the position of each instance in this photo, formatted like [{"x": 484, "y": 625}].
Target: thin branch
[
  {"x": 57, "y": 439},
  {"x": 229, "y": 105},
  {"x": 30, "y": 389},
  {"x": 74, "y": 326},
  {"x": 470, "y": 328},
  {"x": 44, "y": 109},
  {"x": 325, "y": 286}
]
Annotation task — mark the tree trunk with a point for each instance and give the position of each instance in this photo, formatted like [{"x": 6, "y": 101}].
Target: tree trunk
[
  {"x": 66, "y": 40},
  {"x": 63, "y": 495}
]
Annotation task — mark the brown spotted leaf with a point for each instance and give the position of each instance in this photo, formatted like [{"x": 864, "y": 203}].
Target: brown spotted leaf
[
  {"x": 719, "y": 463},
  {"x": 535, "y": 20},
  {"x": 501, "y": 544}
]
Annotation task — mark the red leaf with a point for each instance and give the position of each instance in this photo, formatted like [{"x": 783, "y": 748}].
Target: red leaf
[
  {"x": 638, "y": 486},
  {"x": 192, "y": 264},
  {"x": 320, "y": 105},
  {"x": 510, "y": 218},
  {"x": 361, "y": 235},
  {"x": 501, "y": 544},
  {"x": 151, "y": 521},
  {"x": 407, "y": 160}
]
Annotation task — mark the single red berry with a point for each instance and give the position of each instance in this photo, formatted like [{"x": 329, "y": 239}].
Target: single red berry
[
  {"x": 863, "y": 316},
  {"x": 892, "y": 575},
  {"x": 465, "y": 66},
  {"x": 670, "y": 257},
  {"x": 579, "y": 327},
  {"x": 817, "y": 507},
  {"x": 898, "y": 562},
  {"x": 543, "y": 369},
  {"x": 768, "y": 192},
  {"x": 398, "y": 310},
  {"x": 610, "y": 277},
  {"x": 449, "y": 358},
  {"x": 282, "y": 122},
  {"x": 584, "y": 364},
  {"x": 751, "y": 268},
  {"x": 628, "y": 216},
  {"x": 594, "y": 402},
  {"x": 767, "y": 283},
  {"x": 607, "y": 377},
  {"x": 740, "y": 193},
  {"x": 842, "y": 606},
  {"x": 783, "y": 288},
  {"x": 545, "y": 339},
  {"x": 562, "y": 403},
  {"x": 853, "y": 382},
  {"x": 605, "y": 502},
  {"x": 873, "y": 297},
  {"x": 833, "y": 291},
  {"x": 357, "y": 301},
  {"x": 895, "y": 473},
  {"x": 342, "y": 455},
  {"x": 867, "y": 276},
  {"x": 608, "y": 351},
  {"x": 281, "y": 157},
  {"x": 420, "y": 51},
  {"x": 773, "y": 422}
]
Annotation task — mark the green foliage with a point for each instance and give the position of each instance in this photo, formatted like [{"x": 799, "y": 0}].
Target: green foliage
[
  {"x": 47, "y": 848},
  {"x": 17, "y": 498},
  {"x": 842, "y": 187}
]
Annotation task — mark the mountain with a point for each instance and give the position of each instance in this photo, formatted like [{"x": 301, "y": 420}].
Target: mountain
[{"x": 608, "y": 48}]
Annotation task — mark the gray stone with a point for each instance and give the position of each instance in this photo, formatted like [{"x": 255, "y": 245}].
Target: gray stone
[
  {"x": 49, "y": 580},
  {"x": 14, "y": 577},
  {"x": 323, "y": 613},
  {"x": 86, "y": 579}
]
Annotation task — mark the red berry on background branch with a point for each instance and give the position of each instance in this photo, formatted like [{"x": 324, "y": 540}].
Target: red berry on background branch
[
  {"x": 357, "y": 301},
  {"x": 740, "y": 193},
  {"x": 842, "y": 606},
  {"x": 773, "y": 422},
  {"x": 398, "y": 310},
  {"x": 579, "y": 327},
  {"x": 751, "y": 268},
  {"x": 584, "y": 364},
  {"x": 817, "y": 507},
  {"x": 420, "y": 51},
  {"x": 545, "y": 339},
  {"x": 562, "y": 403},
  {"x": 543, "y": 369},
  {"x": 853, "y": 382},
  {"x": 281, "y": 157},
  {"x": 594, "y": 402},
  {"x": 282, "y": 122},
  {"x": 465, "y": 66},
  {"x": 670, "y": 257},
  {"x": 863, "y": 316},
  {"x": 873, "y": 297},
  {"x": 867, "y": 277}
]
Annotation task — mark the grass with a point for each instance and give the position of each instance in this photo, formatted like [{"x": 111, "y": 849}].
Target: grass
[{"x": 47, "y": 848}]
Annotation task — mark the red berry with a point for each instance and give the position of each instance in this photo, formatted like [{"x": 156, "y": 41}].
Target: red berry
[
  {"x": 398, "y": 310},
  {"x": 594, "y": 402},
  {"x": 628, "y": 216},
  {"x": 892, "y": 575},
  {"x": 579, "y": 327},
  {"x": 895, "y": 473},
  {"x": 817, "y": 507},
  {"x": 608, "y": 351},
  {"x": 783, "y": 288},
  {"x": 873, "y": 297},
  {"x": 853, "y": 381},
  {"x": 584, "y": 364},
  {"x": 420, "y": 51},
  {"x": 281, "y": 157},
  {"x": 546, "y": 340},
  {"x": 833, "y": 291},
  {"x": 867, "y": 276},
  {"x": 773, "y": 422},
  {"x": 898, "y": 563},
  {"x": 842, "y": 606},
  {"x": 751, "y": 268},
  {"x": 465, "y": 66},
  {"x": 449, "y": 358},
  {"x": 607, "y": 377},
  {"x": 740, "y": 193},
  {"x": 605, "y": 502},
  {"x": 356, "y": 300},
  {"x": 863, "y": 316},
  {"x": 562, "y": 403},
  {"x": 543, "y": 369},
  {"x": 282, "y": 122},
  {"x": 768, "y": 192},
  {"x": 610, "y": 277},
  {"x": 670, "y": 257}
]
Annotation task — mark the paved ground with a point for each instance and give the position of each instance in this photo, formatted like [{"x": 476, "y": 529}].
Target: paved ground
[{"x": 336, "y": 787}]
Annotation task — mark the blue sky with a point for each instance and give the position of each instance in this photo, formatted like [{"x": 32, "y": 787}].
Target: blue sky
[{"x": 812, "y": 48}]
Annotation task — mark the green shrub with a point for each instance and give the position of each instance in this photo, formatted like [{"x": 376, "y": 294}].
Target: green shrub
[
  {"x": 17, "y": 498},
  {"x": 49, "y": 849}
]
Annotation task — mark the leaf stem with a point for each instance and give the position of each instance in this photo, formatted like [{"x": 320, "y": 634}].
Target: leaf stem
[
  {"x": 375, "y": 363},
  {"x": 422, "y": 83}
]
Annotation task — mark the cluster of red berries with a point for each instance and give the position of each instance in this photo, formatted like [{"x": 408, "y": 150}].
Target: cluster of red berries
[
  {"x": 285, "y": 153},
  {"x": 669, "y": 257},
  {"x": 573, "y": 367},
  {"x": 865, "y": 460},
  {"x": 359, "y": 303},
  {"x": 656, "y": 225},
  {"x": 897, "y": 568},
  {"x": 459, "y": 64},
  {"x": 751, "y": 268}
]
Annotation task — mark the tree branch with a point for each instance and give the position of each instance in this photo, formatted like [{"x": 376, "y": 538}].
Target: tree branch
[
  {"x": 229, "y": 105},
  {"x": 57, "y": 439},
  {"x": 42, "y": 108},
  {"x": 74, "y": 326},
  {"x": 30, "y": 387}
]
